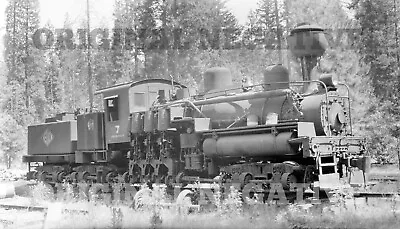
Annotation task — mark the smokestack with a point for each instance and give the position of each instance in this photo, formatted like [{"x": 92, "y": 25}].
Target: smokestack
[{"x": 307, "y": 43}]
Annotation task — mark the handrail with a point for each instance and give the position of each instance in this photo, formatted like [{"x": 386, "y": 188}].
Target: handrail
[
  {"x": 326, "y": 100},
  {"x": 179, "y": 102},
  {"x": 349, "y": 105}
]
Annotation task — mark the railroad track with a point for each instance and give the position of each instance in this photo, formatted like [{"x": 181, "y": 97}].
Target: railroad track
[
  {"x": 375, "y": 194},
  {"x": 22, "y": 207},
  {"x": 384, "y": 177},
  {"x": 39, "y": 208},
  {"x": 16, "y": 216}
]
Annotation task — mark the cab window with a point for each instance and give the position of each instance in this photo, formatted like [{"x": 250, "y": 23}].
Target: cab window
[
  {"x": 139, "y": 99},
  {"x": 112, "y": 109}
]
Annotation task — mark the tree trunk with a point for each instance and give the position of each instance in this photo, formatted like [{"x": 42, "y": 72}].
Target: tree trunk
[
  {"x": 27, "y": 58},
  {"x": 165, "y": 44},
  {"x": 398, "y": 151},
  {"x": 8, "y": 161}
]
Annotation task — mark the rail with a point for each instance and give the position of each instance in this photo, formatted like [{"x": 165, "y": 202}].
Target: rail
[{"x": 32, "y": 208}]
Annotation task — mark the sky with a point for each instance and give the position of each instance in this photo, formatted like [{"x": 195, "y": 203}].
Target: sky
[
  {"x": 54, "y": 11},
  {"x": 102, "y": 10}
]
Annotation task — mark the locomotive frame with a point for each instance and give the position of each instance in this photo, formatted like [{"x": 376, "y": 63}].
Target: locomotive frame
[
  {"x": 155, "y": 131},
  {"x": 158, "y": 147}
]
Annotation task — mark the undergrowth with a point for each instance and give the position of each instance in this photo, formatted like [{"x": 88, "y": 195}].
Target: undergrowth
[{"x": 229, "y": 211}]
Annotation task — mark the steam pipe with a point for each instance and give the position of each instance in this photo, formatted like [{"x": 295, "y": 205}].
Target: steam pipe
[
  {"x": 226, "y": 99},
  {"x": 241, "y": 132},
  {"x": 233, "y": 98}
]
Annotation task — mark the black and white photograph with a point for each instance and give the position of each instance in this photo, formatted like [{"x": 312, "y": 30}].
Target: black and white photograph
[{"x": 231, "y": 114}]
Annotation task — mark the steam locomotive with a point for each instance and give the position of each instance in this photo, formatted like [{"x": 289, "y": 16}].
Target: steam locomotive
[{"x": 156, "y": 130}]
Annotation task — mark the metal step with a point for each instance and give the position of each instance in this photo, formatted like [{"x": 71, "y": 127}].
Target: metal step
[{"x": 328, "y": 164}]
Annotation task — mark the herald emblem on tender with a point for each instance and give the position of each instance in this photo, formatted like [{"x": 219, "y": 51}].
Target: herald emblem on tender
[
  {"x": 90, "y": 124},
  {"x": 47, "y": 137}
]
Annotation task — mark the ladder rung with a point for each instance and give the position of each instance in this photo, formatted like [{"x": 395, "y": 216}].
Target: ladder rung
[{"x": 328, "y": 164}]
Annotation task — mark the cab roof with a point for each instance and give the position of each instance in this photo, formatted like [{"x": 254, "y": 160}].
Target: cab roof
[{"x": 135, "y": 83}]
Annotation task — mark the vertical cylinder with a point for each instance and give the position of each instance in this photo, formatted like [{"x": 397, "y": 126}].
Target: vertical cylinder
[
  {"x": 137, "y": 126},
  {"x": 150, "y": 121},
  {"x": 197, "y": 161},
  {"x": 212, "y": 168},
  {"x": 187, "y": 162},
  {"x": 164, "y": 119}
]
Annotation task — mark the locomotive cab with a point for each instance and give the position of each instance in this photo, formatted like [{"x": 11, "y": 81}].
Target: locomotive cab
[
  {"x": 133, "y": 129},
  {"x": 121, "y": 101}
]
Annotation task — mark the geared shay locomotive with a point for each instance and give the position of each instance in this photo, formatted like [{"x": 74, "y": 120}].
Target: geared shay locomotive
[{"x": 154, "y": 130}]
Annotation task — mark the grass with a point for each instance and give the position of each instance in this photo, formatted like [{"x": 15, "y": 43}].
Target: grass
[
  {"x": 231, "y": 212},
  {"x": 292, "y": 216}
]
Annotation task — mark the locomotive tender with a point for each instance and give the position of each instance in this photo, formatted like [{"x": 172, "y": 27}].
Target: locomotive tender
[{"x": 154, "y": 130}]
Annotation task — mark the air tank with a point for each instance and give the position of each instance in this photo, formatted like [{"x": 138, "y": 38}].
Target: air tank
[{"x": 254, "y": 145}]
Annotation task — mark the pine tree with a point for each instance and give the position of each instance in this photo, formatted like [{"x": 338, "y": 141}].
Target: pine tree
[
  {"x": 378, "y": 21},
  {"x": 52, "y": 72},
  {"x": 72, "y": 65},
  {"x": 378, "y": 46},
  {"x": 12, "y": 142},
  {"x": 325, "y": 13},
  {"x": 126, "y": 64},
  {"x": 170, "y": 39},
  {"x": 24, "y": 61},
  {"x": 266, "y": 22}
]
